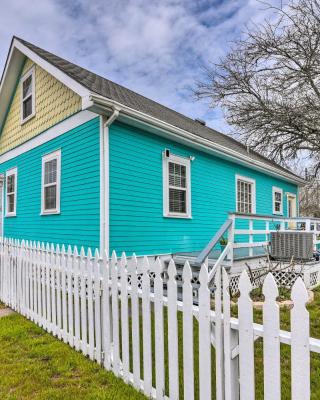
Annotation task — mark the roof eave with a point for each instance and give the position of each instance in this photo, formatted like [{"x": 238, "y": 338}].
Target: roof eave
[
  {"x": 102, "y": 104},
  {"x": 16, "y": 56}
]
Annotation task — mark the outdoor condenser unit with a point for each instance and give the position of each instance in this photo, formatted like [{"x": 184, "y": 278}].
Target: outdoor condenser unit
[{"x": 285, "y": 245}]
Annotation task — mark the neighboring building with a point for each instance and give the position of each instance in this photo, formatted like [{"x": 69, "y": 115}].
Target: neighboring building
[{"x": 88, "y": 162}]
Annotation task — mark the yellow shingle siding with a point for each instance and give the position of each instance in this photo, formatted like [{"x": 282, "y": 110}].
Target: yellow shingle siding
[{"x": 54, "y": 103}]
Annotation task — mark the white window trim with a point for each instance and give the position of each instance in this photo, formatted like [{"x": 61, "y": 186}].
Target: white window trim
[
  {"x": 49, "y": 157},
  {"x": 10, "y": 172},
  {"x": 165, "y": 168},
  {"x": 274, "y": 191},
  {"x": 253, "y": 182},
  {"x": 31, "y": 72},
  {"x": 293, "y": 196}
]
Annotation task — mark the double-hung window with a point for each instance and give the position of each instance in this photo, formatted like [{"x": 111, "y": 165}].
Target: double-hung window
[
  {"x": 28, "y": 108},
  {"x": 245, "y": 195},
  {"x": 277, "y": 195},
  {"x": 51, "y": 175},
  {"x": 11, "y": 192},
  {"x": 176, "y": 187}
]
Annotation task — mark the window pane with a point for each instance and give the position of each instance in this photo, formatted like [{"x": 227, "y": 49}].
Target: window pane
[
  {"x": 27, "y": 87},
  {"x": 50, "y": 173},
  {"x": 244, "y": 193},
  {"x": 177, "y": 175},
  {"x": 177, "y": 201},
  {"x": 50, "y": 197},
  {"x": 27, "y": 107},
  {"x": 10, "y": 183},
  {"x": 10, "y": 200}
]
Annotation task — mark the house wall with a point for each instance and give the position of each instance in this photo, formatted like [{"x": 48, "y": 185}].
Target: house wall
[
  {"x": 54, "y": 103},
  {"x": 79, "y": 220},
  {"x": 136, "y": 194}
]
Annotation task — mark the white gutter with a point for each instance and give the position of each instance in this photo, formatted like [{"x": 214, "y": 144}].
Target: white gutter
[
  {"x": 104, "y": 179},
  {"x": 234, "y": 155}
]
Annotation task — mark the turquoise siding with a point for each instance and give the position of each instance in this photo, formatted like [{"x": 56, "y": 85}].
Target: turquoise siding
[
  {"x": 78, "y": 223},
  {"x": 136, "y": 204}
]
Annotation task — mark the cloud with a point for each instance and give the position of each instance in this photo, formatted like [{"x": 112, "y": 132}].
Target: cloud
[{"x": 156, "y": 47}]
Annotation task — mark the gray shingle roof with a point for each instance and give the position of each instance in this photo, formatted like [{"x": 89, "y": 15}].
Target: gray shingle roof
[{"x": 127, "y": 97}]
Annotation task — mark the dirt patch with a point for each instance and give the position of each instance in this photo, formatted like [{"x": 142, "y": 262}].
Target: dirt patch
[{"x": 5, "y": 311}]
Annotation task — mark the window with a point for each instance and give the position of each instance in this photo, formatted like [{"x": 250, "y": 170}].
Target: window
[
  {"x": 277, "y": 200},
  {"x": 51, "y": 170},
  {"x": 245, "y": 195},
  {"x": 11, "y": 192},
  {"x": 28, "y": 96},
  {"x": 176, "y": 181}
]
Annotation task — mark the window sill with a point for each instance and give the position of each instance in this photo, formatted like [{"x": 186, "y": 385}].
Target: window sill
[
  {"x": 23, "y": 121},
  {"x": 177, "y": 216},
  {"x": 44, "y": 213},
  {"x": 279, "y": 214},
  {"x": 10, "y": 215}
]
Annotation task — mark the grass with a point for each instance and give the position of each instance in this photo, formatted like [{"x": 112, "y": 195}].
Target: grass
[{"x": 35, "y": 365}]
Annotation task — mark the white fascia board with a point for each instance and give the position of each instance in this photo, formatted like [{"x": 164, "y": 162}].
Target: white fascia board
[
  {"x": 193, "y": 140},
  {"x": 54, "y": 71},
  {"x": 51, "y": 133}
]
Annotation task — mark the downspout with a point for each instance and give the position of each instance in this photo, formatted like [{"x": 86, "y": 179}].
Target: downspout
[{"x": 104, "y": 187}]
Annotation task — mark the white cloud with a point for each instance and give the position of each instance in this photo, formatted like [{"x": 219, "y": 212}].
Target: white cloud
[{"x": 155, "y": 47}]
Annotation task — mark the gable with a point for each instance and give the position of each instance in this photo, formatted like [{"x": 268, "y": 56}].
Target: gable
[{"x": 53, "y": 102}]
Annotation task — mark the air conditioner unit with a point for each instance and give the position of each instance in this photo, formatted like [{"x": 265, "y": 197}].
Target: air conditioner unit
[{"x": 285, "y": 245}]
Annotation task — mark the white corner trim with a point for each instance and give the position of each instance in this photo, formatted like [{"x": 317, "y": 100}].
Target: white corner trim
[
  {"x": 249, "y": 180},
  {"x": 31, "y": 72},
  {"x": 104, "y": 186},
  {"x": 51, "y": 133},
  {"x": 275, "y": 190},
  {"x": 165, "y": 173},
  {"x": 56, "y": 72},
  {"x": 10, "y": 172}
]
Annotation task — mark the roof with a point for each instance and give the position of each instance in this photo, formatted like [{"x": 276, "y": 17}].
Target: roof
[{"x": 129, "y": 98}]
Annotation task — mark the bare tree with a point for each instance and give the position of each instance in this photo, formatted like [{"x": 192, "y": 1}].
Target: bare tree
[{"x": 269, "y": 84}]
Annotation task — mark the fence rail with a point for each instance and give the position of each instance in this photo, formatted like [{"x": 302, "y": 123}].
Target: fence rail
[{"x": 126, "y": 316}]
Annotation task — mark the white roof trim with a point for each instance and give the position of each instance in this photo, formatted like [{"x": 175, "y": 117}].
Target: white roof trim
[
  {"x": 54, "y": 71},
  {"x": 194, "y": 139},
  {"x": 13, "y": 66}
]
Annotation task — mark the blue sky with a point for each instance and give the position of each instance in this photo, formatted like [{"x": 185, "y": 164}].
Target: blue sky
[{"x": 157, "y": 48}]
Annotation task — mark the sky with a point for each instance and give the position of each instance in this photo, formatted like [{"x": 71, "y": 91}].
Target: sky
[{"x": 157, "y": 48}]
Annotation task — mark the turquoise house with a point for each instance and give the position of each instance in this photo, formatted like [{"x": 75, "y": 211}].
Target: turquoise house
[{"x": 87, "y": 162}]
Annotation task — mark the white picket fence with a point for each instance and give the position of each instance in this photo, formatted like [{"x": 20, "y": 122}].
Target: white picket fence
[{"x": 126, "y": 316}]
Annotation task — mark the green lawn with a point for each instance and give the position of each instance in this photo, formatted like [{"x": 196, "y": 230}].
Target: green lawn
[{"x": 35, "y": 365}]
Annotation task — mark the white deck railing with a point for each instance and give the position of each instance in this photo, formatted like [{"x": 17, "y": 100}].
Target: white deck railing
[{"x": 270, "y": 224}]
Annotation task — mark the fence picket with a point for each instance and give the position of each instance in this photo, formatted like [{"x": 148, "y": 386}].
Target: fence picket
[
  {"x": 300, "y": 351},
  {"x": 90, "y": 304},
  {"x": 76, "y": 296},
  {"x": 84, "y": 338},
  {"x": 204, "y": 335},
  {"x": 47, "y": 263},
  {"x": 106, "y": 314},
  {"x": 115, "y": 314},
  {"x": 97, "y": 312},
  {"x": 70, "y": 275},
  {"x": 64, "y": 294},
  {"x": 135, "y": 332},
  {"x": 271, "y": 340},
  {"x": 173, "y": 332},
  {"x": 219, "y": 336},
  {"x": 146, "y": 325},
  {"x": 188, "y": 369},
  {"x": 158, "y": 327},
  {"x": 246, "y": 348},
  {"x": 58, "y": 292},
  {"x": 53, "y": 289},
  {"x": 43, "y": 286},
  {"x": 124, "y": 317}
]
